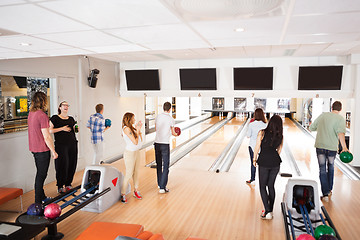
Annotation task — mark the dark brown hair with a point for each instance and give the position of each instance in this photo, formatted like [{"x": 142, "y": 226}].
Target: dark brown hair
[
  {"x": 274, "y": 131},
  {"x": 259, "y": 115},
  {"x": 126, "y": 122},
  {"x": 38, "y": 102},
  {"x": 337, "y": 106},
  {"x": 99, "y": 108},
  {"x": 167, "y": 106},
  {"x": 59, "y": 110}
]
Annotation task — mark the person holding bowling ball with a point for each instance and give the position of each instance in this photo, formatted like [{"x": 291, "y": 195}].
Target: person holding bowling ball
[
  {"x": 97, "y": 126},
  {"x": 331, "y": 128},
  {"x": 164, "y": 127},
  {"x": 66, "y": 145},
  {"x": 133, "y": 140}
]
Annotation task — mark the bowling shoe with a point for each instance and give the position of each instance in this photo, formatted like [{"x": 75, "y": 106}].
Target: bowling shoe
[
  {"x": 123, "y": 199},
  {"x": 267, "y": 216},
  {"x": 164, "y": 190},
  {"x": 137, "y": 195}
]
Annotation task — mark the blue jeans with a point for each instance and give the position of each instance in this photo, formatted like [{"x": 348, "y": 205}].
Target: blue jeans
[
  {"x": 326, "y": 159},
  {"x": 253, "y": 169},
  {"x": 162, "y": 156}
]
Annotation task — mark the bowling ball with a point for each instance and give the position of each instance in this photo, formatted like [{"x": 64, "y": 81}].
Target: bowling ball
[
  {"x": 35, "y": 209},
  {"x": 107, "y": 122},
  {"x": 178, "y": 131},
  {"x": 327, "y": 237},
  {"x": 305, "y": 237},
  {"x": 324, "y": 230},
  {"x": 52, "y": 211},
  {"x": 346, "y": 157}
]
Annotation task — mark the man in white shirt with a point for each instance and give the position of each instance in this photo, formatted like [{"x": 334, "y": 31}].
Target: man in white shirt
[{"x": 164, "y": 126}]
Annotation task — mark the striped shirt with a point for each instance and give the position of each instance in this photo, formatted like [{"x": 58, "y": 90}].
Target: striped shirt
[{"x": 96, "y": 124}]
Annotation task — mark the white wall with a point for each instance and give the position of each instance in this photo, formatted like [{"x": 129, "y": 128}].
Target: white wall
[
  {"x": 18, "y": 164},
  {"x": 182, "y": 108},
  {"x": 285, "y": 77}
]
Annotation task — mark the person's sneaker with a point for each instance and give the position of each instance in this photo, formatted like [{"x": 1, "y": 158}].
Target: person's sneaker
[
  {"x": 68, "y": 188},
  {"x": 137, "y": 195},
  {"x": 250, "y": 182},
  {"x": 324, "y": 198},
  {"x": 123, "y": 199},
  {"x": 61, "y": 190},
  {"x": 45, "y": 200},
  {"x": 164, "y": 190},
  {"x": 267, "y": 216}
]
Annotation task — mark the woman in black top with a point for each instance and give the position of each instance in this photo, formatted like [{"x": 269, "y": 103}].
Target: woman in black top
[
  {"x": 63, "y": 127},
  {"x": 270, "y": 140}
]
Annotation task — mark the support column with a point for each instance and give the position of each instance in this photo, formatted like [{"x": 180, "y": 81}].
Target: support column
[{"x": 355, "y": 120}]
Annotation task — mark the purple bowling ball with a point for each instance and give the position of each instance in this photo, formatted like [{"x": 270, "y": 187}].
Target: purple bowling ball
[
  {"x": 35, "y": 209},
  {"x": 327, "y": 237}
]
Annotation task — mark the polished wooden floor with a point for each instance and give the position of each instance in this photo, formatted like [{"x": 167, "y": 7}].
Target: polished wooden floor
[{"x": 212, "y": 205}]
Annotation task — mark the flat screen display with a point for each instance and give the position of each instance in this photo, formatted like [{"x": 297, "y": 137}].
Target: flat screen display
[
  {"x": 142, "y": 80},
  {"x": 255, "y": 78},
  {"x": 320, "y": 78},
  {"x": 198, "y": 79}
]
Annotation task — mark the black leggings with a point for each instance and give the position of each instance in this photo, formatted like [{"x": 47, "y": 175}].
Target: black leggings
[
  {"x": 65, "y": 164},
  {"x": 267, "y": 177}
]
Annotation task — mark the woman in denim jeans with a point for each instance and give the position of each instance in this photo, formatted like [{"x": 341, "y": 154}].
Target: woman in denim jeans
[{"x": 331, "y": 128}]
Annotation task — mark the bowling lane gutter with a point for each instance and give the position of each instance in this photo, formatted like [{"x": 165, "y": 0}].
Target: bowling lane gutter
[
  {"x": 290, "y": 157},
  {"x": 226, "y": 158},
  {"x": 180, "y": 153},
  {"x": 118, "y": 157},
  {"x": 346, "y": 169}
]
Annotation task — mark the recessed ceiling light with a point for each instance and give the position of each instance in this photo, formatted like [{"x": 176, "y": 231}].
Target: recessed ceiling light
[
  {"x": 320, "y": 34},
  {"x": 25, "y": 44},
  {"x": 239, "y": 29},
  {"x": 319, "y": 42}
]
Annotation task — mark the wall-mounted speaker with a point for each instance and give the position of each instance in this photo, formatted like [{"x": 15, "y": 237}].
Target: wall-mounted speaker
[{"x": 93, "y": 78}]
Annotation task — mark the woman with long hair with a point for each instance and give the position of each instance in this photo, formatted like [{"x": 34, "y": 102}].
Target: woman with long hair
[
  {"x": 270, "y": 140},
  {"x": 133, "y": 140},
  {"x": 63, "y": 127},
  {"x": 40, "y": 142},
  {"x": 258, "y": 124}
]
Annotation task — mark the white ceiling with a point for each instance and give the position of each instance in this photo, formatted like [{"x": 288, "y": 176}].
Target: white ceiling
[{"x": 148, "y": 30}]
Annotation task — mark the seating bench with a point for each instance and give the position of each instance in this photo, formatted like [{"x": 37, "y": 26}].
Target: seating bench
[{"x": 7, "y": 194}]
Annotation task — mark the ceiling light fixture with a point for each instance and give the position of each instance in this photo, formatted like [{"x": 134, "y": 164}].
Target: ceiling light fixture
[
  {"x": 25, "y": 44},
  {"x": 239, "y": 29}
]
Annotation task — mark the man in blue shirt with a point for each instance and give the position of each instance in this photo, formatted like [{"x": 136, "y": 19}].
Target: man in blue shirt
[{"x": 96, "y": 124}]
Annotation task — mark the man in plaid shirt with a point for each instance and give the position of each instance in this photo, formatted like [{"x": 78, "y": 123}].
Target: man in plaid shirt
[{"x": 96, "y": 124}]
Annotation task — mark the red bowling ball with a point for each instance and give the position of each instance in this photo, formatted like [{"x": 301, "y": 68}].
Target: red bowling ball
[
  {"x": 305, "y": 237},
  {"x": 52, "y": 211},
  {"x": 178, "y": 131}
]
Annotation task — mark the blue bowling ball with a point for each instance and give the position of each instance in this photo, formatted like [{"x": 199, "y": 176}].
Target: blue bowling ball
[
  {"x": 107, "y": 122},
  {"x": 35, "y": 209}
]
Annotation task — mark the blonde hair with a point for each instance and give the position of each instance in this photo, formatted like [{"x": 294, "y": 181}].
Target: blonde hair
[{"x": 126, "y": 122}]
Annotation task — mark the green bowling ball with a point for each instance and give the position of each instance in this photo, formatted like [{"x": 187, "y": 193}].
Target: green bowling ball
[
  {"x": 346, "y": 157},
  {"x": 323, "y": 230}
]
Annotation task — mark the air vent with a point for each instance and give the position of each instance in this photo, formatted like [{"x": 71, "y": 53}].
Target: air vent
[
  {"x": 289, "y": 52},
  {"x": 216, "y": 9}
]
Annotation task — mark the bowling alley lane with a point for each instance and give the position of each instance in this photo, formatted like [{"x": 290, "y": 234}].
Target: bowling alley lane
[
  {"x": 302, "y": 147},
  {"x": 203, "y": 156},
  {"x": 185, "y": 135}
]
